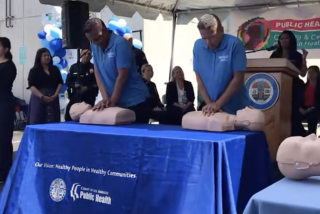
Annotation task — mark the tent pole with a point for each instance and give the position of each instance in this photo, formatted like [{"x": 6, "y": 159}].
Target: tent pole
[{"x": 174, "y": 24}]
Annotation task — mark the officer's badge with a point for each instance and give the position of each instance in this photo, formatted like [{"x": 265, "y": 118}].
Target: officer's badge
[{"x": 91, "y": 70}]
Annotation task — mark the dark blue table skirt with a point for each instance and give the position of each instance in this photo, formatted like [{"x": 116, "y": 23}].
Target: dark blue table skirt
[{"x": 135, "y": 169}]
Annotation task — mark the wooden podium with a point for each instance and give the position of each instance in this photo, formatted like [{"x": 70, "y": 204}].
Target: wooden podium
[{"x": 269, "y": 85}]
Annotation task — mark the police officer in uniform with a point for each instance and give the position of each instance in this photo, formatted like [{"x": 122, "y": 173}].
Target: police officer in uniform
[{"x": 85, "y": 89}]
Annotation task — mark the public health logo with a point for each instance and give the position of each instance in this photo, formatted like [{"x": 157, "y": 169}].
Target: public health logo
[
  {"x": 262, "y": 91},
  {"x": 58, "y": 190},
  {"x": 254, "y": 33},
  {"x": 74, "y": 191}
]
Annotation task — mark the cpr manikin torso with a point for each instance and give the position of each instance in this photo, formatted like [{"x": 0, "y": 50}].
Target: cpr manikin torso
[
  {"x": 299, "y": 157},
  {"x": 78, "y": 109},
  {"x": 108, "y": 116},
  {"x": 247, "y": 119}
]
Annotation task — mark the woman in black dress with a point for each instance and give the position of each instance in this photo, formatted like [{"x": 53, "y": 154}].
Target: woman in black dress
[
  {"x": 45, "y": 82},
  {"x": 180, "y": 97},
  {"x": 8, "y": 73},
  {"x": 287, "y": 48}
]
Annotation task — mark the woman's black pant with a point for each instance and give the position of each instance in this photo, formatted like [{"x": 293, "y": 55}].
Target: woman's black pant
[
  {"x": 7, "y": 114},
  {"x": 312, "y": 119},
  {"x": 175, "y": 114},
  {"x": 142, "y": 111}
]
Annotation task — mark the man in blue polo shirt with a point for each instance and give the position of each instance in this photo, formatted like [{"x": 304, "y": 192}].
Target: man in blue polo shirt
[
  {"x": 219, "y": 61},
  {"x": 116, "y": 73}
]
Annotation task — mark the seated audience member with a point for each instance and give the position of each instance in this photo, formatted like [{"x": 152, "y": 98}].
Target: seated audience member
[
  {"x": 180, "y": 97},
  {"x": 158, "y": 112},
  {"x": 147, "y": 74},
  {"x": 310, "y": 110}
]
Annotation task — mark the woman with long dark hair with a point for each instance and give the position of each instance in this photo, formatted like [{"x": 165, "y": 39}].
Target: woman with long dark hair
[
  {"x": 311, "y": 107},
  {"x": 287, "y": 48},
  {"x": 8, "y": 73},
  {"x": 45, "y": 82}
]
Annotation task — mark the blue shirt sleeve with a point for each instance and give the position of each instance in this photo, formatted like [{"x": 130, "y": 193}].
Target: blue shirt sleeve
[
  {"x": 124, "y": 54},
  {"x": 195, "y": 62},
  {"x": 239, "y": 58}
]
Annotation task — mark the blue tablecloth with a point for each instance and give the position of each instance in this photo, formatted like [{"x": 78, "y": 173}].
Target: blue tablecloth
[
  {"x": 135, "y": 169},
  {"x": 287, "y": 196}
]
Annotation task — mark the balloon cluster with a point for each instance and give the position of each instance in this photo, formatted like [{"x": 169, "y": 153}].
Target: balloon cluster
[
  {"x": 119, "y": 27},
  {"x": 51, "y": 38}
]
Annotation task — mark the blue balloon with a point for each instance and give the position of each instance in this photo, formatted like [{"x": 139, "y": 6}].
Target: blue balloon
[
  {"x": 63, "y": 63},
  {"x": 58, "y": 25},
  {"x": 42, "y": 34},
  {"x": 113, "y": 25},
  {"x": 63, "y": 89},
  {"x": 64, "y": 77},
  {"x": 46, "y": 44},
  {"x": 127, "y": 29},
  {"x": 113, "y": 19},
  {"x": 60, "y": 53},
  {"x": 55, "y": 33},
  {"x": 56, "y": 44},
  {"x": 121, "y": 31}
]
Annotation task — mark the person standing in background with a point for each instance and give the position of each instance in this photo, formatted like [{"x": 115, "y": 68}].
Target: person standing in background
[
  {"x": 45, "y": 83},
  {"x": 287, "y": 48},
  {"x": 311, "y": 108},
  {"x": 219, "y": 61},
  {"x": 139, "y": 55},
  {"x": 8, "y": 73},
  {"x": 87, "y": 85}
]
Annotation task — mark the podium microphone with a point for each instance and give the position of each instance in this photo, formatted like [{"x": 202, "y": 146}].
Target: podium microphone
[{"x": 271, "y": 48}]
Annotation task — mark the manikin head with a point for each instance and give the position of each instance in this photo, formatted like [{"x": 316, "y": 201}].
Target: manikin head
[
  {"x": 298, "y": 157},
  {"x": 250, "y": 119},
  {"x": 211, "y": 30},
  {"x": 78, "y": 109}
]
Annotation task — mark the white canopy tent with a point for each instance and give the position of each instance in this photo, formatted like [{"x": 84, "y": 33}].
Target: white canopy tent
[
  {"x": 150, "y": 9},
  {"x": 189, "y": 9}
]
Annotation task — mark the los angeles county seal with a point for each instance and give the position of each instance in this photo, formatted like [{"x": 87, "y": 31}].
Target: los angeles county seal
[
  {"x": 262, "y": 91},
  {"x": 58, "y": 190}
]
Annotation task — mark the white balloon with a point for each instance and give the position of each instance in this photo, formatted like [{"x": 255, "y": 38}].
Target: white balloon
[
  {"x": 48, "y": 28},
  {"x": 50, "y": 14},
  {"x": 63, "y": 101},
  {"x": 49, "y": 37},
  {"x": 64, "y": 72},
  {"x": 122, "y": 23},
  {"x": 56, "y": 59}
]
